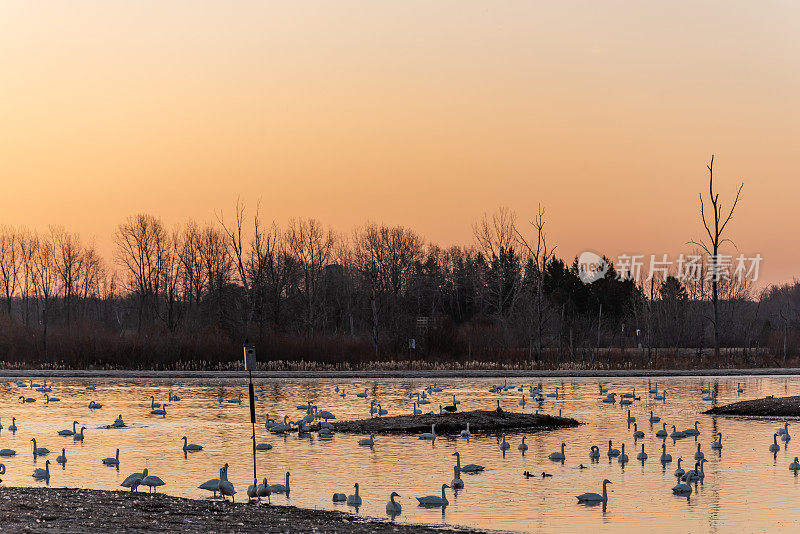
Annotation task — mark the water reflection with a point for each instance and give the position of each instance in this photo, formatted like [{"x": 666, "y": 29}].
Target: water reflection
[{"x": 514, "y": 492}]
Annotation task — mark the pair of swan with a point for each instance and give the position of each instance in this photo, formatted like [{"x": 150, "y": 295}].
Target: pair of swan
[
  {"x": 134, "y": 480},
  {"x": 695, "y": 474},
  {"x": 595, "y": 497},
  {"x": 213, "y": 484}
]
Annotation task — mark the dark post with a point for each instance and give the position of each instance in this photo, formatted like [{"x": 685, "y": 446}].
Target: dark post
[{"x": 249, "y": 365}]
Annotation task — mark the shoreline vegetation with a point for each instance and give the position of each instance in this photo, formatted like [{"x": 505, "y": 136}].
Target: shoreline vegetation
[
  {"x": 766, "y": 407},
  {"x": 390, "y": 374},
  {"x": 451, "y": 424},
  {"x": 81, "y": 510}
]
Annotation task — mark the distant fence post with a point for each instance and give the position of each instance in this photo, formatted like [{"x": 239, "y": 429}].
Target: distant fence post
[{"x": 249, "y": 365}]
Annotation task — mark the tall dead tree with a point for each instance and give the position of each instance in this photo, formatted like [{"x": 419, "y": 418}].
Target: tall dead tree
[{"x": 715, "y": 235}]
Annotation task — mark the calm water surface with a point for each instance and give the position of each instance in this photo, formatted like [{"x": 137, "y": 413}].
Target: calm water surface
[{"x": 746, "y": 488}]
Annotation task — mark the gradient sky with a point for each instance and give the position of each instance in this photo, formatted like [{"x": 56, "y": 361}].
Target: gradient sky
[{"x": 422, "y": 113}]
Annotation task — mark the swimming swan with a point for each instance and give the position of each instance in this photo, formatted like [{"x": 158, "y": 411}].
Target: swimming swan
[
  {"x": 435, "y": 500},
  {"x": 595, "y": 497}
]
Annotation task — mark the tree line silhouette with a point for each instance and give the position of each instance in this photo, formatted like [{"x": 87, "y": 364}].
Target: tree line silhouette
[{"x": 380, "y": 295}]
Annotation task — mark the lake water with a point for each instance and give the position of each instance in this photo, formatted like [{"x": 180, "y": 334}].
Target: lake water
[{"x": 746, "y": 487}]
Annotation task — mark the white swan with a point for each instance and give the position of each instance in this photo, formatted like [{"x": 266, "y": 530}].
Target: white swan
[
  {"x": 190, "y": 446},
  {"x": 7, "y": 452},
  {"x": 160, "y": 411},
  {"x": 623, "y": 458},
  {"x": 393, "y": 507},
  {"x": 48, "y": 399},
  {"x": 263, "y": 447},
  {"x": 654, "y": 389},
  {"x": 415, "y": 410},
  {"x": 717, "y": 444},
  {"x": 429, "y": 435},
  {"x": 63, "y": 458},
  {"x": 682, "y": 489},
  {"x": 13, "y": 427},
  {"x": 676, "y": 434},
  {"x": 362, "y": 395},
  {"x": 663, "y": 432},
  {"x": 152, "y": 482},
  {"x": 435, "y": 500},
  {"x": 212, "y": 484},
  {"x": 699, "y": 454},
  {"x": 68, "y": 432},
  {"x": 636, "y": 432},
  {"x": 469, "y": 468},
  {"x": 785, "y": 436},
  {"x": 595, "y": 497},
  {"x": 774, "y": 447},
  {"x": 662, "y": 397},
  {"x": 558, "y": 456},
  {"x": 504, "y": 445},
  {"x": 133, "y": 480},
  {"x": 795, "y": 466},
  {"x": 610, "y": 398},
  {"x": 523, "y": 446},
  {"x": 654, "y": 418},
  {"x": 281, "y": 488},
  {"x": 94, "y": 405},
  {"x": 594, "y": 452},
  {"x": 679, "y": 472},
  {"x": 612, "y": 452},
  {"x": 79, "y": 435},
  {"x": 466, "y": 433},
  {"x": 42, "y": 474},
  {"x": 339, "y": 497},
  {"x": 642, "y": 455},
  {"x": 354, "y": 499},
  {"x": 456, "y": 482},
  {"x": 631, "y": 395},
  {"x": 631, "y": 419},
  {"x": 367, "y": 442},
  {"x": 226, "y": 488},
  {"x": 693, "y": 431},
  {"x": 553, "y": 395},
  {"x": 39, "y": 451},
  {"x": 235, "y": 400},
  {"x": 118, "y": 422},
  {"x": 665, "y": 458},
  {"x": 114, "y": 462}
]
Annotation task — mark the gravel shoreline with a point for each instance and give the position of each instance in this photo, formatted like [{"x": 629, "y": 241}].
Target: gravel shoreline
[
  {"x": 83, "y": 511},
  {"x": 465, "y": 373}
]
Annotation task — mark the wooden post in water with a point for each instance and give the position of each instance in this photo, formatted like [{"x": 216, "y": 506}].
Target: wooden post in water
[{"x": 249, "y": 365}]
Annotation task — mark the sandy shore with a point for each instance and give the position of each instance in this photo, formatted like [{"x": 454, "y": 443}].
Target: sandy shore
[
  {"x": 83, "y": 511},
  {"x": 334, "y": 375},
  {"x": 766, "y": 407}
]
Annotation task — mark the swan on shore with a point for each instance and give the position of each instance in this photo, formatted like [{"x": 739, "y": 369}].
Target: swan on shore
[
  {"x": 133, "y": 480},
  {"x": 152, "y": 482}
]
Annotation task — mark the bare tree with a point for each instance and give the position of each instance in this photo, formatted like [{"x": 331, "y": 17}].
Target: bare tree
[
  {"x": 45, "y": 279},
  {"x": 540, "y": 255},
  {"x": 495, "y": 236},
  {"x": 10, "y": 262},
  {"x": 715, "y": 236},
  {"x": 68, "y": 261},
  {"x": 311, "y": 246}
]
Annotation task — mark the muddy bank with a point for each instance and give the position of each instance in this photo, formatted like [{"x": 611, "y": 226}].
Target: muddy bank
[
  {"x": 480, "y": 421},
  {"x": 79, "y": 511},
  {"x": 766, "y": 407}
]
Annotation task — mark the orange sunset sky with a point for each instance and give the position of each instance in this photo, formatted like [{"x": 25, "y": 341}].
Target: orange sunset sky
[{"x": 422, "y": 113}]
